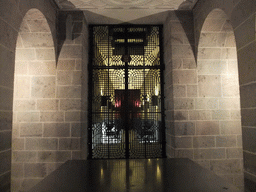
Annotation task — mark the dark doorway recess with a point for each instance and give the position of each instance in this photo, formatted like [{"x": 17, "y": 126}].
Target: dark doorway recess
[{"x": 126, "y": 108}]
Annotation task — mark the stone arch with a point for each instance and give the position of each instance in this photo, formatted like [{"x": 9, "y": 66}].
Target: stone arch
[
  {"x": 218, "y": 101},
  {"x": 228, "y": 7},
  {"x": 35, "y": 104},
  {"x": 11, "y": 18},
  {"x": 47, "y": 106}
]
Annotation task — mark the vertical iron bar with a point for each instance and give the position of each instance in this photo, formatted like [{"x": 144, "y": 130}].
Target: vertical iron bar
[
  {"x": 90, "y": 95},
  {"x": 126, "y": 98},
  {"x": 162, "y": 67},
  {"x": 145, "y": 111},
  {"x": 107, "y": 96}
]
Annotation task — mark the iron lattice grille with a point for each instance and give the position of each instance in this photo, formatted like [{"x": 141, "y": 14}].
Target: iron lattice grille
[{"x": 126, "y": 93}]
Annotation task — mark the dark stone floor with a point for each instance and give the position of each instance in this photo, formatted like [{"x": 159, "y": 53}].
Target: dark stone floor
[{"x": 149, "y": 175}]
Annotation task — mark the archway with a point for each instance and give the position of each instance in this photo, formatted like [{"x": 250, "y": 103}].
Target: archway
[
  {"x": 218, "y": 145},
  {"x": 35, "y": 106},
  {"x": 47, "y": 101}
]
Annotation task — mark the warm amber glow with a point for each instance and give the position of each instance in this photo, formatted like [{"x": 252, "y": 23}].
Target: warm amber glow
[
  {"x": 158, "y": 173},
  {"x": 149, "y": 161},
  {"x": 101, "y": 173}
]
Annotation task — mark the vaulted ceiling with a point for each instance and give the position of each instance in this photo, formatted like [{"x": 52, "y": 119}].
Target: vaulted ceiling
[{"x": 126, "y": 10}]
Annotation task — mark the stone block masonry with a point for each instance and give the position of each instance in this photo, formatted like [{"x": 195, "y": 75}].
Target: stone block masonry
[
  {"x": 47, "y": 102},
  {"x": 203, "y": 94}
]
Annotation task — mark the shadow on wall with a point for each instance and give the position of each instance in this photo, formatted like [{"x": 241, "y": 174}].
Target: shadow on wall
[
  {"x": 181, "y": 82},
  {"x": 69, "y": 28},
  {"x": 187, "y": 22}
]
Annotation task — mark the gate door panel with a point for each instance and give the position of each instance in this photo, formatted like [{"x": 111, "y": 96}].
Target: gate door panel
[{"x": 126, "y": 92}]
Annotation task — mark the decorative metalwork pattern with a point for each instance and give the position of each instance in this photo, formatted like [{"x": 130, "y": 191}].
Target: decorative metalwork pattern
[{"x": 126, "y": 94}]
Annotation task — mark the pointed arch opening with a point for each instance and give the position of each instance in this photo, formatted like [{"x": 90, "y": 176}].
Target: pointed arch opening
[
  {"x": 35, "y": 106},
  {"x": 218, "y": 126}
]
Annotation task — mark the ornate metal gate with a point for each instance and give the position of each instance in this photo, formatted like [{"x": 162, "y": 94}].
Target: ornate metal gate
[{"x": 126, "y": 114}]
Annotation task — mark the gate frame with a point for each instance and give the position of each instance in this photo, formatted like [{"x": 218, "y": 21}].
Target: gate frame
[{"x": 90, "y": 85}]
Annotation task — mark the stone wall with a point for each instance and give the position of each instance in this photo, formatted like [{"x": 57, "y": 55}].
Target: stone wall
[
  {"x": 241, "y": 14},
  {"x": 34, "y": 100},
  {"x": 218, "y": 102},
  {"x": 74, "y": 46},
  {"x": 65, "y": 104},
  {"x": 180, "y": 82},
  {"x": 47, "y": 100},
  {"x": 71, "y": 40},
  {"x": 202, "y": 94},
  {"x": 11, "y": 17}
]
